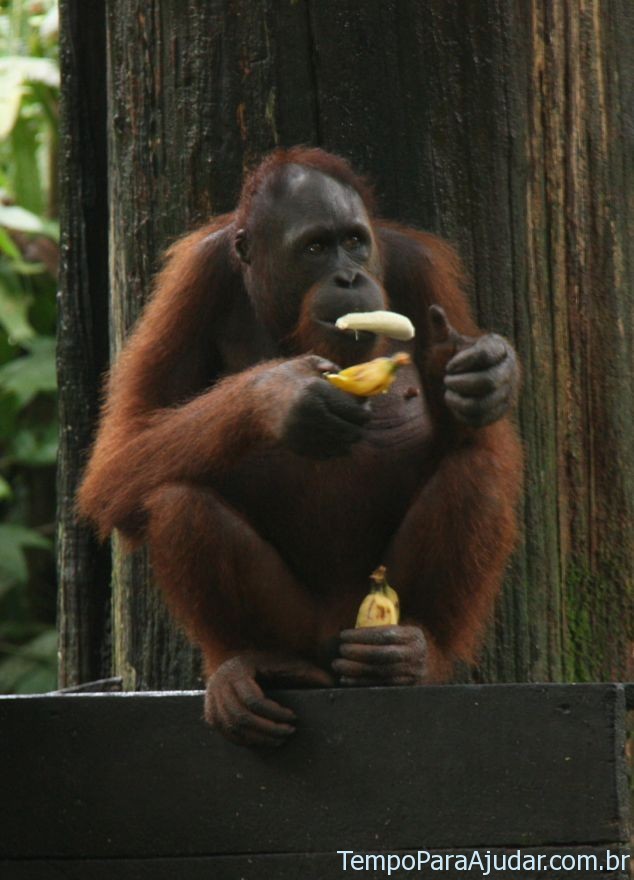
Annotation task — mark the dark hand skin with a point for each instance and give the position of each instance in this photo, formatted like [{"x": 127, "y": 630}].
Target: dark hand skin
[
  {"x": 236, "y": 705},
  {"x": 482, "y": 379},
  {"x": 381, "y": 655},
  {"x": 325, "y": 422}
]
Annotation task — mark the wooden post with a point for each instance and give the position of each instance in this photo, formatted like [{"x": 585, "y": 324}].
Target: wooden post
[
  {"x": 506, "y": 126},
  {"x": 82, "y": 353}
]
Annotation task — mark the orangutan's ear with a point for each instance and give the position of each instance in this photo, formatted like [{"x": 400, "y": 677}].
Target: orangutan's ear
[{"x": 241, "y": 245}]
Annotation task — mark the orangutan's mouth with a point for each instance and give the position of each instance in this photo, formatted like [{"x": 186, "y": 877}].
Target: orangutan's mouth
[{"x": 350, "y": 335}]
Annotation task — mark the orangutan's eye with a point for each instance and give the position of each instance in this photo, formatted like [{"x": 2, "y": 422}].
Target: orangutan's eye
[{"x": 315, "y": 248}]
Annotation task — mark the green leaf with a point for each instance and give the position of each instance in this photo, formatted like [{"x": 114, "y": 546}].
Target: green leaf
[
  {"x": 11, "y": 92},
  {"x": 35, "y": 446},
  {"x": 9, "y": 412},
  {"x": 43, "y": 646},
  {"x": 21, "y": 268},
  {"x": 9, "y": 247},
  {"x": 14, "y": 309},
  {"x": 40, "y": 70},
  {"x": 16, "y": 74},
  {"x": 27, "y": 183},
  {"x": 39, "y": 679},
  {"x": 31, "y": 667},
  {"x": 15, "y": 217},
  {"x": 49, "y": 26},
  {"x": 48, "y": 101},
  {"x": 6, "y": 491},
  {"x": 43, "y": 312},
  {"x": 12, "y": 670},
  {"x": 32, "y": 373},
  {"x": 13, "y": 540},
  {"x": 20, "y": 631}
]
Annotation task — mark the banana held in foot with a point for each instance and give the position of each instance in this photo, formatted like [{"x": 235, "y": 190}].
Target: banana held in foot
[
  {"x": 381, "y": 606},
  {"x": 387, "y": 323},
  {"x": 370, "y": 378}
]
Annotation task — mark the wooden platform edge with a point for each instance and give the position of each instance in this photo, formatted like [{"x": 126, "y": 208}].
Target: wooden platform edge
[{"x": 443, "y": 767}]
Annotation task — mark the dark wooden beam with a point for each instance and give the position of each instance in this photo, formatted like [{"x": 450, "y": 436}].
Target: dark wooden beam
[{"x": 137, "y": 777}]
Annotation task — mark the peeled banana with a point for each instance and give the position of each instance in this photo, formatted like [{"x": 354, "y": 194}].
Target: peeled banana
[
  {"x": 381, "y": 606},
  {"x": 388, "y": 323},
  {"x": 370, "y": 378}
]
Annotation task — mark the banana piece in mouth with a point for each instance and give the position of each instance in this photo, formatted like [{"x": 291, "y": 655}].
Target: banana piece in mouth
[{"x": 387, "y": 323}]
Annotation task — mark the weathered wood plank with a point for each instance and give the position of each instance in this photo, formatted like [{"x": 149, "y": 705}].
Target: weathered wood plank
[
  {"x": 508, "y": 128},
  {"x": 198, "y": 91},
  {"x": 385, "y": 769},
  {"x": 323, "y": 866}
]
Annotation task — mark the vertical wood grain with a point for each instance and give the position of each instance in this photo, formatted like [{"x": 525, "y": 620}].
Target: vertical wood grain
[{"x": 507, "y": 127}]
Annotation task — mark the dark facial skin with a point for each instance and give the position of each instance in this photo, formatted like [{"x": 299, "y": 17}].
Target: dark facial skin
[
  {"x": 314, "y": 245},
  {"x": 314, "y": 241}
]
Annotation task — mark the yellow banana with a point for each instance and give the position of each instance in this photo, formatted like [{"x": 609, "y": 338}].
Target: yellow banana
[
  {"x": 381, "y": 606},
  {"x": 370, "y": 378}
]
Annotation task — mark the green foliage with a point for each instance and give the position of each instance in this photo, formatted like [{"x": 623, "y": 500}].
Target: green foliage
[{"x": 29, "y": 93}]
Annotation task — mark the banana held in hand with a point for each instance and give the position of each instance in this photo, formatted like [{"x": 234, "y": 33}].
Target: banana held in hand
[
  {"x": 388, "y": 323},
  {"x": 381, "y": 606},
  {"x": 373, "y": 377}
]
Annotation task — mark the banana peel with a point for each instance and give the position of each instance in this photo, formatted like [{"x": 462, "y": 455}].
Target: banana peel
[
  {"x": 381, "y": 606},
  {"x": 370, "y": 378}
]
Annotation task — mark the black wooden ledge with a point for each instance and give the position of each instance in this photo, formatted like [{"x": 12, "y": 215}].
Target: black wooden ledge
[{"x": 135, "y": 785}]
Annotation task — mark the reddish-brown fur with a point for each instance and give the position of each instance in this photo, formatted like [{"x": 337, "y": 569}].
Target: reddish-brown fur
[{"x": 181, "y": 412}]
